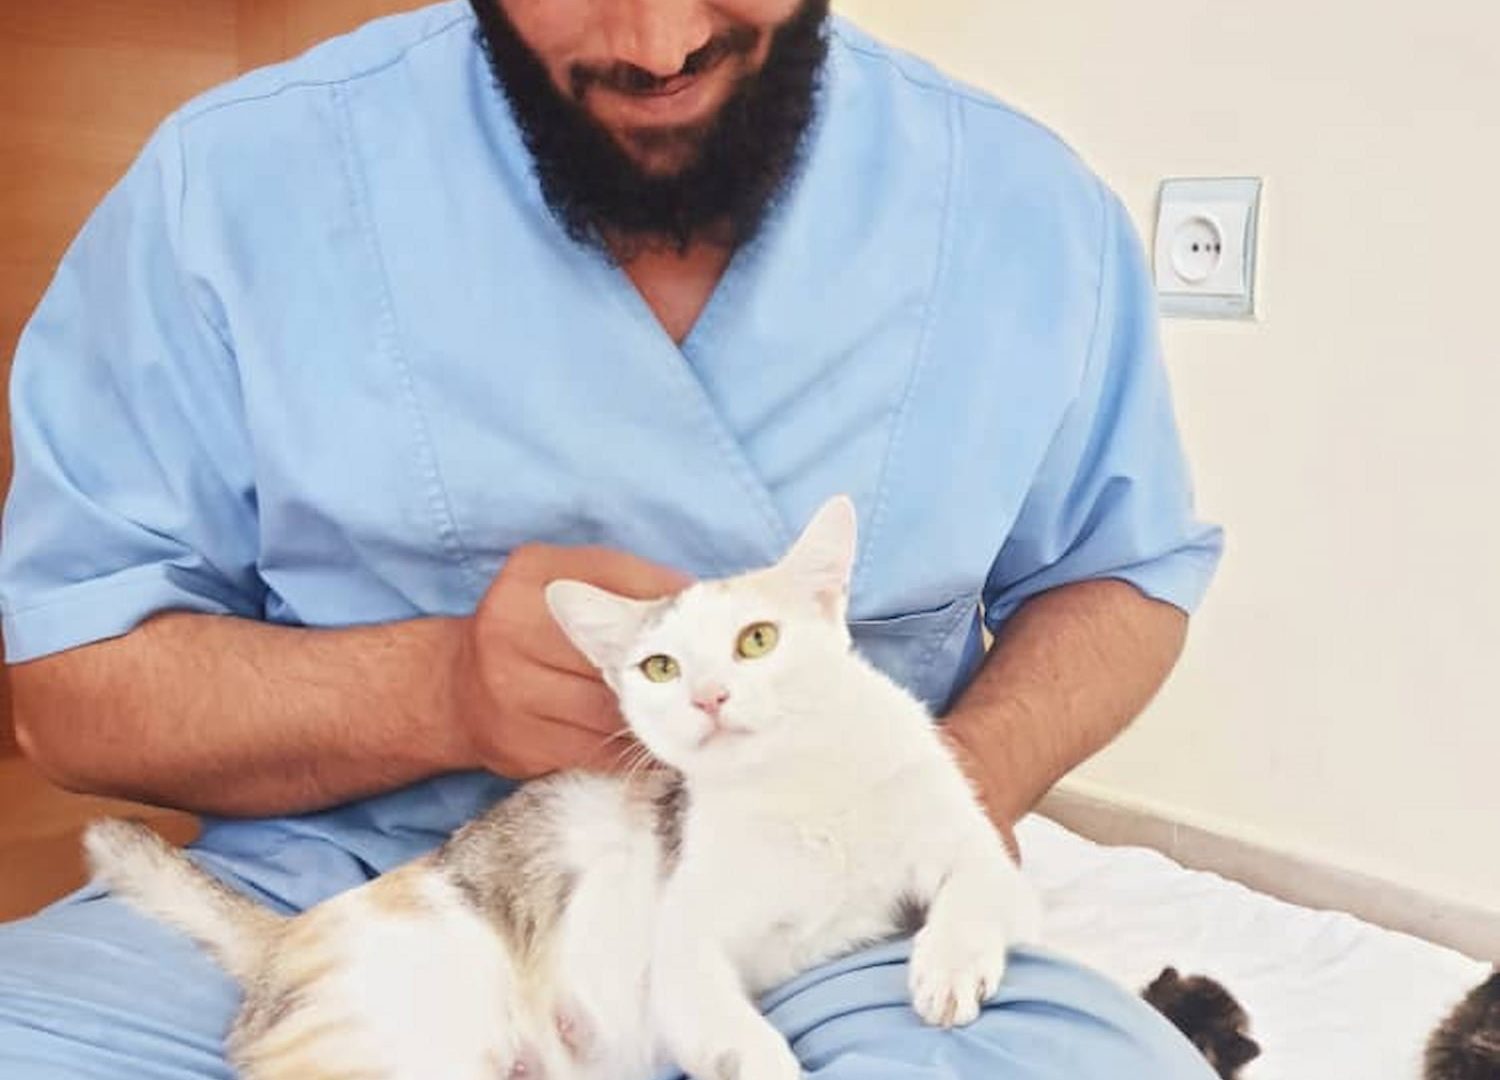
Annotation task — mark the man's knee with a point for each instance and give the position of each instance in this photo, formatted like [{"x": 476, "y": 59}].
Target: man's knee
[
  {"x": 1052, "y": 1020},
  {"x": 90, "y": 988},
  {"x": 1071, "y": 1023}
]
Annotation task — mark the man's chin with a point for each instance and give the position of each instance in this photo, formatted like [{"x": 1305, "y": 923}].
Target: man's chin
[
  {"x": 658, "y": 164},
  {"x": 705, "y": 160},
  {"x": 660, "y": 153}
]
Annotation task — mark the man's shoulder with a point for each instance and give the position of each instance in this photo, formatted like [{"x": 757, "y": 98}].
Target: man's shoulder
[
  {"x": 261, "y": 142},
  {"x": 363, "y": 53},
  {"x": 998, "y": 147}
]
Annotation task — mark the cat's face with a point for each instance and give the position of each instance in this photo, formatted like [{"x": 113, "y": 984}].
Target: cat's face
[{"x": 727, "y": 674}]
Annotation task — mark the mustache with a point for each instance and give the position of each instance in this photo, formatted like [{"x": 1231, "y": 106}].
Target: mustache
[{"x": 628, "y": 79}]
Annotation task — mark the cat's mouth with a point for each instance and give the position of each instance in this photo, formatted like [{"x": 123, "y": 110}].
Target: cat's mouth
[{"x": 721, "y": 732}]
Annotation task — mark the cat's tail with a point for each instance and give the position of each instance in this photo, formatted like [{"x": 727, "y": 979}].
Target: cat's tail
[{"x": 152, "y": 876}]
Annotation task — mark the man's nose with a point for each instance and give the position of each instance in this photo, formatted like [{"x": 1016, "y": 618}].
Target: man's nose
[
  {"x": 710, "y": 699},
  {"x": 658, "y": 35}
]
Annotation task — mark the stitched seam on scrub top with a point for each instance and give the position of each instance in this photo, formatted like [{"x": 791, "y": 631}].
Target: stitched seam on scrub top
[
  {"x": 924, "y": 348},
  {"x": 1107, "y": 228},
  {"x": 961, "y": 617},
  {"x": 941, "y": 84},
  {"x": 197, "y": 109},
  {"x": 81, "y": 592},
  {"x": 438, "y": 502}
]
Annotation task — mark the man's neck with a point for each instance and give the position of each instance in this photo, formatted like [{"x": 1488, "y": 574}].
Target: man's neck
[{"x": 677, "y": 285}]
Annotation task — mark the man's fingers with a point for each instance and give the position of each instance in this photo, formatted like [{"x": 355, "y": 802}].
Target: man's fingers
[
  {"x": 532, "y": 632},
  {"x": 576, "y": 701},
  {"x": 627, "y": 575},
  {"x": 551, "y": 650},
  {"x": 567, "y": 746}
]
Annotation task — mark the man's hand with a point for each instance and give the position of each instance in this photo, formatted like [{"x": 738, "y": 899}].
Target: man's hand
[{"x": 528, "y": 701}]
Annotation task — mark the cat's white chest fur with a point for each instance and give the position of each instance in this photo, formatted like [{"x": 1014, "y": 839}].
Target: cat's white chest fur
[{"x": 799, "y": 879}]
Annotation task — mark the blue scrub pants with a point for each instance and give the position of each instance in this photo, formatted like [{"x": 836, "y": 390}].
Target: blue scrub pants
[{"x": 90, "y": 989}]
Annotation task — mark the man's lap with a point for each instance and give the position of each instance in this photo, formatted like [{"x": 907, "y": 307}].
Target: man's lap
[
  {"x": 88, "y": 988},
  {"x": 91, "y": 988},
  {"x": 1051, "y": 1020}
]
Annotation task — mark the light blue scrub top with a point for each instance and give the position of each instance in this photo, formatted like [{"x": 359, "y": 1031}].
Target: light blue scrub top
[{"x": 324, "y": 358}]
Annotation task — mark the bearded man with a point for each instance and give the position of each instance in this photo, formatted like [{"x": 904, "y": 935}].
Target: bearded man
[{"x": 368, "y": 347}]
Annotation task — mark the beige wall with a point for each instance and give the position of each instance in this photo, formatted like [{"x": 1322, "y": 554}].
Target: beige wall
[{"x": 1339, "y": 697}]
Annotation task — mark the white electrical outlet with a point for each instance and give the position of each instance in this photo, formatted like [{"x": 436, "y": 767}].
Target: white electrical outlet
[
  {"x": 1206, "y": 239},
  {"x": 1197, "y": 249}
]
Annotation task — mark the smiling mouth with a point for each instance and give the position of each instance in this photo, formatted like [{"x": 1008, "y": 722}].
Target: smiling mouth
[
  {"x": 662, "y": 111},
  {"x": 670, "y": 88}
]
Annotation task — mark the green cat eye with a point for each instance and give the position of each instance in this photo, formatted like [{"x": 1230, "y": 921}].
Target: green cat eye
[
  {"x": 758, "y": 640},
  {"x": 660, "y": 669}
]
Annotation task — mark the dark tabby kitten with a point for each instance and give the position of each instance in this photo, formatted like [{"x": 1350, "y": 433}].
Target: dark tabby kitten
[
  {"x": 1210, "y": 1017},
  {"x": 1467, "y": 1045}
]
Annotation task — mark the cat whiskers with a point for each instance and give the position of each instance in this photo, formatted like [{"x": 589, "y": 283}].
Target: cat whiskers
[
  {"x": 630, "y": 759},
  {"x": 613, "y": 764},
  {"x": 637, "y": 759}
]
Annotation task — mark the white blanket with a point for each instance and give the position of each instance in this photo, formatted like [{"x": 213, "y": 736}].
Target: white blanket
[{"x": 1329, "y": 997}]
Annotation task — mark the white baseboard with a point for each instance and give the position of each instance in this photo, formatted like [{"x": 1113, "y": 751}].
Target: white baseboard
[{"x": 1291, "y": 877}]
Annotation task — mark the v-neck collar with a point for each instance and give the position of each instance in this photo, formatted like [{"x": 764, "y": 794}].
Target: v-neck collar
[
  {"x": 675, "y": 364},
  {"x": 699, "y": 339},
  {"x": 763, "y": 528}
]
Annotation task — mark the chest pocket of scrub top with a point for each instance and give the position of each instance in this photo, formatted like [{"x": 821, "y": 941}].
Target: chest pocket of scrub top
[{"x": 928, "y": 652}]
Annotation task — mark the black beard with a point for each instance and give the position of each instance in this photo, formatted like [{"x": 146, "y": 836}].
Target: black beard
[{"x": 740, "y": 161}]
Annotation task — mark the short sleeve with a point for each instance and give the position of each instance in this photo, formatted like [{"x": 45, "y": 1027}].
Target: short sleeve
[
  {"x": 132, "y": 491},
  {"x": 1113, "y": 497}
]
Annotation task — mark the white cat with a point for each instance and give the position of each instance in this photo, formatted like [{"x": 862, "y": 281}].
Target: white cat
[{"x": 592, "y": 927}]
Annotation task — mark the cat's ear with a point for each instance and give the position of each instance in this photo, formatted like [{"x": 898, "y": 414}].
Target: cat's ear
[
  {"x": 602, "y": 625},
  {"x": 1167, "y": 980},
  {"x": 821, "y": 560}
]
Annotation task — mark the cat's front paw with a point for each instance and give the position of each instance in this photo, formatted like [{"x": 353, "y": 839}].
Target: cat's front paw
[{"x": 953, "y": 973}]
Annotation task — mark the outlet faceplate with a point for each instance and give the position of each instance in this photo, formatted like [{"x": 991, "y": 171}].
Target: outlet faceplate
[{"x": 1206, "y": 238}]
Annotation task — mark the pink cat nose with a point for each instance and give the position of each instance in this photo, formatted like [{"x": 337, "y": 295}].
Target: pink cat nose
[{"x": 710, "y": 699}]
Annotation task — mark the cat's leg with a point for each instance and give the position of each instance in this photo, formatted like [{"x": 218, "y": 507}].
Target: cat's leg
[
  {"x": 707, "y": 1024},
  {"x": 397, "y": 980},
  {"x": 980, "y": 905},
  {"x": 602, "y": 952},
  {"x": 599, "y": 1006}
]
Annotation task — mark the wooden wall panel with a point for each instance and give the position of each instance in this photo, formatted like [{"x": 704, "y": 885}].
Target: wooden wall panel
[
  {"x": 40, "y": 829},
  {"x": 82, "y": 84}
]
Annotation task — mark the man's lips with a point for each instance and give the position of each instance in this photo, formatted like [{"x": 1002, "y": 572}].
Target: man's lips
[
  {"x": 681, "y": 99},
  {"x": 675, "y": 85}
]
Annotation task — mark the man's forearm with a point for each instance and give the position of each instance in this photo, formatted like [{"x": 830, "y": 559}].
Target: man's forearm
[
  {"x": 228, "y": 716},
  {"x": 1068, "y": 673}
]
